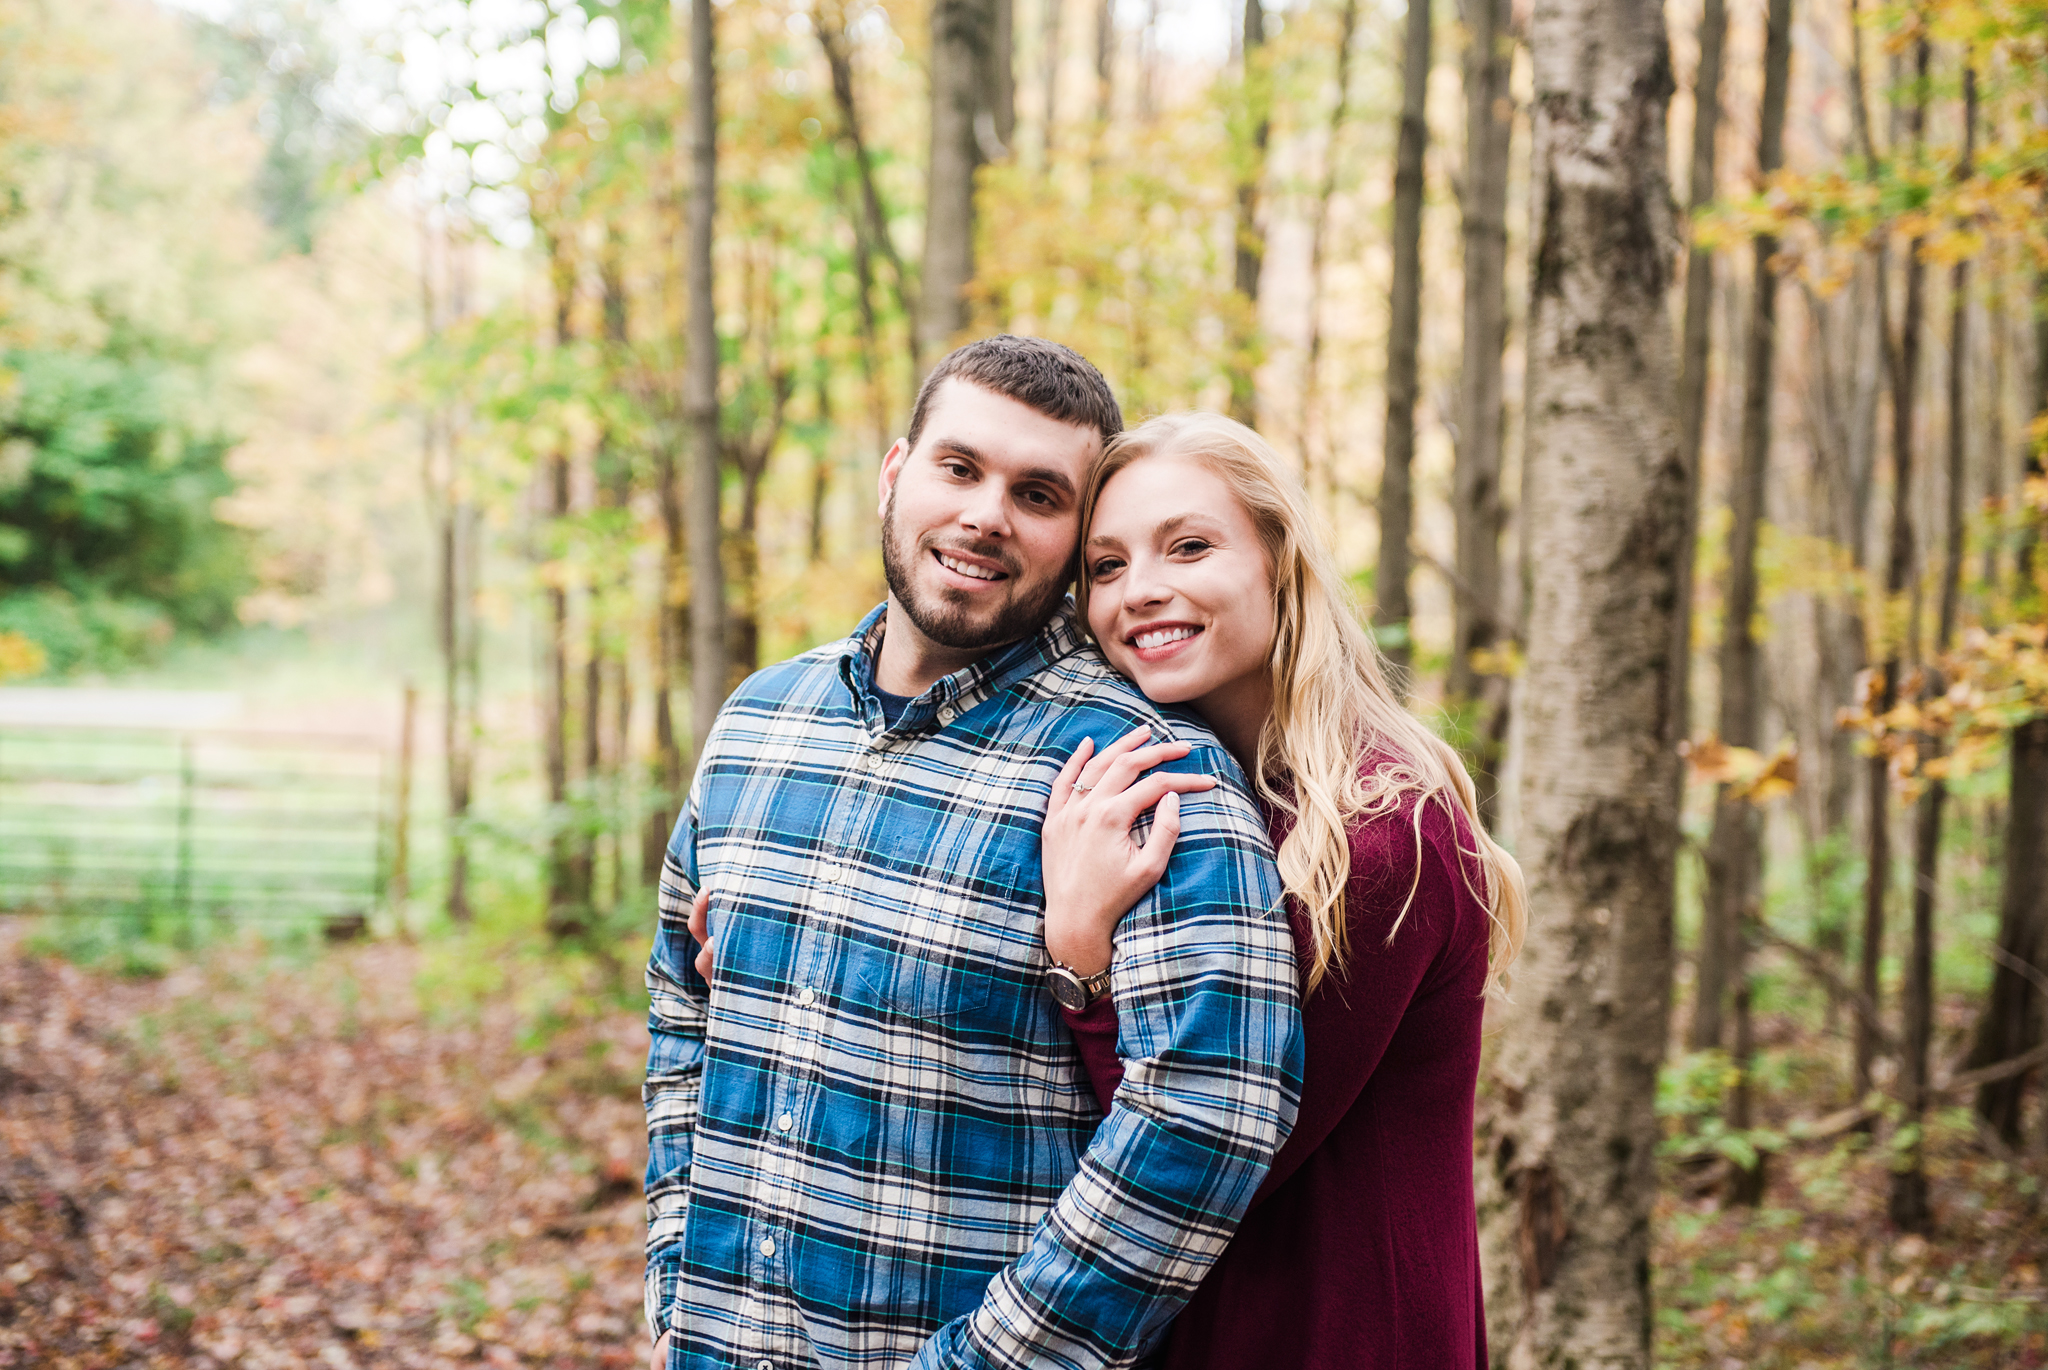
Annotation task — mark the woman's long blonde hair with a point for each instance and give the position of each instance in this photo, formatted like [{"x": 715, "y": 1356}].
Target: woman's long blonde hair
[{"x": 1331, "y": 704}]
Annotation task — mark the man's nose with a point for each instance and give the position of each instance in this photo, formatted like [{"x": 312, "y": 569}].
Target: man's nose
[{"x": 987, "y": 510}]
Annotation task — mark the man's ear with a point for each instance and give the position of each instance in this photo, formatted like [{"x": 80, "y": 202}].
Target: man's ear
[{"x": 892, "y": 466}]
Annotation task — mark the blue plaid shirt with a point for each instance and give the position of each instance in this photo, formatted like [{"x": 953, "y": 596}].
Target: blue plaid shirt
[{"x": 871, "y": 1140}]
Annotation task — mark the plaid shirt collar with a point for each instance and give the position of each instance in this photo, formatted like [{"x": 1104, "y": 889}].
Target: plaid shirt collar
[{"x": 953, "y": 695}]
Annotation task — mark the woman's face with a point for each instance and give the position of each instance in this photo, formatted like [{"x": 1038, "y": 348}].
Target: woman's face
[{"x": 1180, "y": 595}]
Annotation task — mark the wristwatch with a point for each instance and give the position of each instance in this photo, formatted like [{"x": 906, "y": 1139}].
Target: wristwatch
[{"x": 1074, "y": 990}]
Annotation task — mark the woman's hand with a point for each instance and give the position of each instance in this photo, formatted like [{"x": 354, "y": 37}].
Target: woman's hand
[
  {"x": 1095, "y": 870},
  {"x": 700, "y": 928}
]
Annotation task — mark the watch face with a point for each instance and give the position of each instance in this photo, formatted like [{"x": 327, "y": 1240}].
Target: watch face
[{"x": 1066, "y": 988}]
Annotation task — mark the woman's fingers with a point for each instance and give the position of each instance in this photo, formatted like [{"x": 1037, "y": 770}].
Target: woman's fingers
[
  {"x": 700, "y": 928},
  {"x": 1132, "y": 803},
  {"x": 1158, "y": 848},
  {"x": 1092, "y": 773},
  {"x": 1063, "y": 783},
  {"x": 1126, "y": 768}
]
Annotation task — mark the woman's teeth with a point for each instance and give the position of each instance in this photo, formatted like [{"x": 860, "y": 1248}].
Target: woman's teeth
[
  {"x": 962, "y": 568},
  {"x": 1162, "y": 636}
]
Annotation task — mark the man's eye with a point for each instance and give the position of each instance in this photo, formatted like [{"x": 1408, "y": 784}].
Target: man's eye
[
  {"x": 955, "y": 468},
  {"x": 1036, "y": 497}
]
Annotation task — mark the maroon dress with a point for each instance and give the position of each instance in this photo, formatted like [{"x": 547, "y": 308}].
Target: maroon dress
[{"x": 1361, "y": 1250}]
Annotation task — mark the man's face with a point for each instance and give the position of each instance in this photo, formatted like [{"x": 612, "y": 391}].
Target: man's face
[{"x": 980, "y": 520}]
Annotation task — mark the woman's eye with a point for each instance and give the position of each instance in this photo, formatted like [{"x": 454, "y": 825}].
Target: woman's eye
[
  {"x": 1188, "y": 547},
  {"x": 1108, "y": 566}
]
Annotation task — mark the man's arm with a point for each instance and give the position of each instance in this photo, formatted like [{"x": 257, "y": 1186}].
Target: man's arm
[
  {"x": 678, "y": 1000},
  {"x": 1205, "y": 989}
]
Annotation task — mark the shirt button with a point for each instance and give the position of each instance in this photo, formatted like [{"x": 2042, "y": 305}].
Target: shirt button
[
  {"x": 764, "y": 1365},
  {"x": 767, "y": 1246},
  {"x": 807, "y": 996},
  {"x": 786, "y": 1122}
]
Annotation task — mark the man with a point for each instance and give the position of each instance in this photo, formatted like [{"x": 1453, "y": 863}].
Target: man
[{"x": 870, "y": 1139}]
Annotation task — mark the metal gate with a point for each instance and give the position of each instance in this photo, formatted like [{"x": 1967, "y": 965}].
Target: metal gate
[{"x": 250, "y": 826}]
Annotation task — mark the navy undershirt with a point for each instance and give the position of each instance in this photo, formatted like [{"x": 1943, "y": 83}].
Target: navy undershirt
[{"x": 892, "y": 705}]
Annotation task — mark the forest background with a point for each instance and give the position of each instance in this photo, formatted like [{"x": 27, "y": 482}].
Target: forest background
[{"x": 495, "y": 383}]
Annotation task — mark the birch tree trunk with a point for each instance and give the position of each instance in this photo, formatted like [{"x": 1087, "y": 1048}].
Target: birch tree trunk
[
  {"x": 964, "y": 44},
  {"x": 1477, "y": 507},
  {"x": 1567, "y": 1141},
  {"x": 708, "y": 682},
  {"x": 1316, "y": 469},
  {"x": 1391, "y": 610}
]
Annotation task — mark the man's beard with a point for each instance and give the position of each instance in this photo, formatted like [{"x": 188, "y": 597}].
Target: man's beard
[{"x": 946, "y": 620}]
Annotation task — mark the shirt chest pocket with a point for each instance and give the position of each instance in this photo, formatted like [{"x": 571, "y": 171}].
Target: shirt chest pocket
[{"x": 938, "y": 959}]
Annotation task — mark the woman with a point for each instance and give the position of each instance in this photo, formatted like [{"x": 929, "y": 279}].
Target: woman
[{"x": 1203, "y": 582}]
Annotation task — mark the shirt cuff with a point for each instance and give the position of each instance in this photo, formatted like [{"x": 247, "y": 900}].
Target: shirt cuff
[{"x": 664, "y": 1274}]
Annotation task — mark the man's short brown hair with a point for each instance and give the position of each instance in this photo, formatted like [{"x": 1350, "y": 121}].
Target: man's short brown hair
[{"x": 1055, "y": 380}]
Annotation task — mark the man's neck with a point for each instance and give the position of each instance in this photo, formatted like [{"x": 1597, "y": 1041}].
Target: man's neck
[{"x": 909, "y": 662}]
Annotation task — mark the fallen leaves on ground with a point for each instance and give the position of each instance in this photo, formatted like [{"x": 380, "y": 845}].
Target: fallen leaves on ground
[{"x": 264, "y": 1164}]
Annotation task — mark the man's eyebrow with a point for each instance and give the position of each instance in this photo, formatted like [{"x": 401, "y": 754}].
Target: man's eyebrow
[
  {"x": 1052, "y": 476},
  {"x": 1048, "y": 475}
]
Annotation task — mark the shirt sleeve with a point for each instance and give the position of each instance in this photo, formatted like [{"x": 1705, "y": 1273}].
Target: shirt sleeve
[
  {"x": 677, "y": 1003},
  {"x": 1210, "y": 1018}
]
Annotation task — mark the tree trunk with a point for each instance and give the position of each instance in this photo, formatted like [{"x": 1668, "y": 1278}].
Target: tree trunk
[
  {"x": 1049, "y": 77},
  {"x": 1911, "y": 1210},
  {"x": 1316, "y": 474},
  {"x": 964, "y": 42},
  {"x": 1898, "y": 572},
  {"x": 1569, "y": 1132},
  {"x": 1250, "y": 254},
  {"x": 672, "y": 635},
  {"x": 1697, "y": 342},
  {"x": 1391, "y": 610},
  {"x": 708, "y": 682},
  {"x": 1477, "y": 507},
  {"x": 1734, "y": 854},
  {"x": 568, "y": 892},
  {"x": 2011, "y": 1021}
]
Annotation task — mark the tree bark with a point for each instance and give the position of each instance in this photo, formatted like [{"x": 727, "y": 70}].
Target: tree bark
[
  {"x": 568, "y": 883},
  {"x": 964, "y": 44},
  {"x": 1049, "y": 77},
  {"x": 1250, "y": 252},
  {"x": 1569, "y": 1133},
  {"x": 1316, "y": 474},
  {"x": 1391, "y": 610},
  {"x": 1905, "y": 377},
  {"x": 1477, "y": 508},
  {"x": 1734, "y": 859},
  {"x": 2011, "y": 1021},
  {"x": 708, "y": 683},
  {"x": 1696, "y": 346},
  {"x": 1911, "y": 1210}
]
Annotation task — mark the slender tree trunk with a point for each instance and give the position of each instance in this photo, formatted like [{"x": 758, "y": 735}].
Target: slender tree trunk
[
  {"x": 568, "y": 891},
  {"x": 1049, "y": 76},
  {"x": 604, "y": 672},
  {"x": 1482, "y": 415},
  {"x": 1404, "y": 333},
  {"x": 964, "y": 40},
  {"x": 1734, "y": 861},
  {"x": 708, "y": 683},
  {"x": 1898, "y": 572},
  {"x": 2011, "y": 1021},
  {"x": 1696, "y": 351},
  {"x": 672, "y": 635},
  {"x": 1910, "y": 1207},
  {"x": 1735, "y": 855},
  {"x": 1568, "y": 1136},
  {"x": 1250, "y": 255},
  {"x": 1316, "y": 472}
]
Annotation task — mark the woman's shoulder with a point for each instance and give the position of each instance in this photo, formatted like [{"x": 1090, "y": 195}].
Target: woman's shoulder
[{"x": 1417, "y": 843}]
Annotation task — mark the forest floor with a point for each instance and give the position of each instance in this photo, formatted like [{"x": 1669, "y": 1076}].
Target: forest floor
[{"x": 429, "y": 1155}]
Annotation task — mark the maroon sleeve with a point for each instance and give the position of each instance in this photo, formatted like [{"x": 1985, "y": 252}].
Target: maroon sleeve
[
  {"x": 1094, "y": 1030},
  {"x": 1348, "y": 1022}
]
